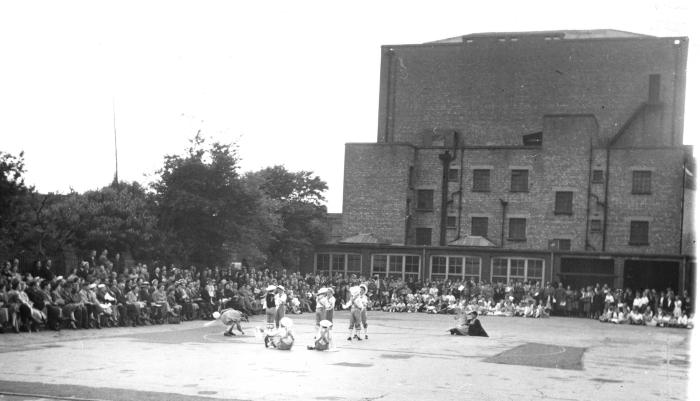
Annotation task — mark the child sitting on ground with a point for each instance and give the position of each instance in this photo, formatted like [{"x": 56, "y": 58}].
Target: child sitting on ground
[
  {"x": 324, "y": 339},
  {"x": 283, "y": 337}
]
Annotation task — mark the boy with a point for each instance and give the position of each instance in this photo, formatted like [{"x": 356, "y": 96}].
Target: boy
[{"x": 468, "y": 325}]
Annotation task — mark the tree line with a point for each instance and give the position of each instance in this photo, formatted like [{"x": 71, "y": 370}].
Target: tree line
[{"x": 199, "y": 210}]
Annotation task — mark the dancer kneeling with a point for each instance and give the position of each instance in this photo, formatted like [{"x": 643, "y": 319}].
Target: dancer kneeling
[
  {"x": 282, "y": 338},
  {"x": 323, "y": 339},
  {"x": 468, "y": 325},
  {"x": 231, "y": 318}
]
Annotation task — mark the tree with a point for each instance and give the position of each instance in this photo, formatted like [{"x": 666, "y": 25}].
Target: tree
[
  {"x": 202, "y": 202},
  {"x": 14, "y": 197},
  {"x": 297, "y": 198}
]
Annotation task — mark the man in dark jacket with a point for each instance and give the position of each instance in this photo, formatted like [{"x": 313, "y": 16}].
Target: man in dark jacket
[{"x": 468, "y": 325}]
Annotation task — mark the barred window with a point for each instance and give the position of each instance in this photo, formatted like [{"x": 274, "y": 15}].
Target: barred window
[
  {"x": 519, "y": 180},
  {"x": 563, "y": 202},
  {"x": 597, "y": 177},
  {"x": 516, "y": 229},
  {"x": 561, "y": 244},
  {"x": 453, "y": 174},
  {"x": 641, "y": 182},
  {"x": 481, "y": 180},
  {"x": 451, "y": 221},
  {"x": 323, "y": 262},
  {"x": 639, "y": 233},
  {"x": 480, "y": 226},
  {"x": 596, "y": 226}
]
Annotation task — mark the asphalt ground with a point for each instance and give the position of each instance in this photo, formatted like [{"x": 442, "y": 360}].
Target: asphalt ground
[{"x": 407, "y": 357}]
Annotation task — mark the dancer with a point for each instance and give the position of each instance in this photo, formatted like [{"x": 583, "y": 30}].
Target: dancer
[
  {"x": 468, "y": 325},
  {"x": 231, "y": 318},
  {"x": 324, "y": 338},
  {"x": 331, "y": 304},
  {"x": 357, "y": 304},
  {"x": 270, "y": 307},
  {"x": 363, "y": 312},
  {"x": 283, "y": 338},
  {"x": 321, "y": 303},
  {"x": 280, "y": 304}
]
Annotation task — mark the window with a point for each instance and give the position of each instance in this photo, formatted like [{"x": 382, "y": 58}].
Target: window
[
  {"x": 354, "y": 264},
  {"x": 410, "y": 177},
  {"x": 323, "y": 263},
  {"x": 451, "y": 221},
  {"x": 343, "y": 263},
  {"x": 455, "y": 268},
  {"x": 532, "y": 139},
  {"x": 424, "y": 236},
  {"x": 412, "y": 266},
  {"x": 560, "y": 244},
  {"x": 563, "y": 202},
  {"x": 481, "y": 181},
  {"x": 453, "y": 174},
  {"x": 597, "y": 177},
  {"x": 516, "y": 229},
  {"x": 654, "y": 88},
  {"x": 438, "y": 267},
  {"x": 480, "y": 226},
  {"x": 596, "y": 226},
  {"x": 639, "y": 233},
  {"x": 396, "y": 265},
  {"x": 379, "y": 264},
  {"x": 425, "y": 199},
  {"x": 641, "y": 182},
  {"x": 519, "y": 180},
  {"x": 520, "y": 269}
]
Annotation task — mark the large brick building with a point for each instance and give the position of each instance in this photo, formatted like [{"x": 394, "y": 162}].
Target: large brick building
[{"x": 552, "y": 156}]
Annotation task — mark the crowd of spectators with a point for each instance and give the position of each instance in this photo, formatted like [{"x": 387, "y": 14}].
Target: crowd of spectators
[{"x": 102, "y": 291}]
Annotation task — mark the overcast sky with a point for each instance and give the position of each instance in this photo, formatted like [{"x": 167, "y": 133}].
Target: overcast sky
[{"x": 290, "y": 81}]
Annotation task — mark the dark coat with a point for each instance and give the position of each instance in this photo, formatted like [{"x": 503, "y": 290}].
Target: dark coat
[{"x": 475, "y": 329}]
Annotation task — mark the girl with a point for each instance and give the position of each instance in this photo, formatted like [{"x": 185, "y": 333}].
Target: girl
[
  {"x": 283, "y": 339},
  {"x": 321, "y": 304},
  {"x": 324, "y": 338},
  {"x": 331, "y": 304},
  {"x": 270, "y": 307},
  {"x": 280, "y": 304},
  {"x": 231, "y": 318}
]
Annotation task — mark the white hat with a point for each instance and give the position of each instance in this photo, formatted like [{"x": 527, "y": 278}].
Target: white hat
[
  {"x": 93, "y": 285},
  {"x": 101, "y": 286},
  {"x": 270, "y": 288},
  {"x": 326, "y": 323},
  {"x": 354, "y": 290},
  {"x": 286, "y": 322},
  {"x": 279, "y": 287},
  {"x": 460, "y": 288},
  {"x": 331, "y": 290},
  {"x": 364, "y": 286},
  {"x": 216, "y": 315},
  {"x": 322, "y": 290}
]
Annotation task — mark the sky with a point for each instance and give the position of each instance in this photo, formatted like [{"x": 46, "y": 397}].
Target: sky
[{"x": 289, "y": 81}]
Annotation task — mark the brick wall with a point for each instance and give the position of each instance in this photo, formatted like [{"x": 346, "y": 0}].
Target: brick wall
[
  {"x": 375, "y": 189},
  {"x": 495, "y": 91}
]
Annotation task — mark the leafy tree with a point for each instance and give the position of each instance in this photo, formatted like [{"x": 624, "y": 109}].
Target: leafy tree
[
  {"x": 202, "y": 203},
  {"x": 296, "y": 199},
  {"x": 13, "y": 201}
]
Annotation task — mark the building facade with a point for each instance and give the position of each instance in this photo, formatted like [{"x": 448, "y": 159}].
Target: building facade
[{"x": 547, "y": 156}]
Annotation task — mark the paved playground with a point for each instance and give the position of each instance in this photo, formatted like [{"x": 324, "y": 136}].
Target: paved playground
[{"x": 407, "y": 357}]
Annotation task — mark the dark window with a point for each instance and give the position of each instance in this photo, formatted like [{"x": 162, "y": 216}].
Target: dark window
[
  {"x": 654, "y": 88},
  {"x": 323, "y": 262},
  {"x": 410, "y": 177},
  {"x": 482, "y": 181},
  {"x": 597, "y": 176},
  {"x": 519, "y": 180},
  {"x": 453, "y": 174},
  {"x": 451, "y": 221},
  {"x": 516, "y": 229},
  {"x": 596, "y": 226},
  {"x": 424, "y": 236},
  {"x": 641, "y": 182},
  {"x": 560, "y": 244},
  {"x": 425, "y": 199},
  {"x": 639, "y": 233},
  {"x": 532, "y": 139},
  {"x": 480, "y": 226},
  {"x": 563, "y": 202}
]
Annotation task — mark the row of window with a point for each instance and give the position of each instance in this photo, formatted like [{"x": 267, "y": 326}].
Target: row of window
[
  {"x": 519, "y": 182},
  {"x": 407, "y": 266},
  {"x": 517, "y": 229}
]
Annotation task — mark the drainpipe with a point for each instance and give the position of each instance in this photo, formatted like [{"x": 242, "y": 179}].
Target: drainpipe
[
  {"x": 605, "y": 201},
  {"x": 446, "y": 158},
  {"x": 680, "y": 243},
  {"x": 459, "y": 207},
  {"x": 504, "y": 204},
  {"x": 588, "y": 196}
]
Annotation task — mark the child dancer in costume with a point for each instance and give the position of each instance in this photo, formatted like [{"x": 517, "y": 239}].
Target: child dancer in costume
[
  {"x": 358, "y": 305},
  {"x": 324, "y": 338},
  {"x": 321, "y": 302},
  {"x": 270, "y": 307},
  {"x": 231, "y": 318},
  {"x": 331, "y": 304},
  {"x": 283, "y": 338},
  {"x": 280, "y": 304}
]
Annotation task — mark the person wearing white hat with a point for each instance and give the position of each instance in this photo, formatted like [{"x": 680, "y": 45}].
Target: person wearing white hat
[
  {"x": 363, "y": 312},
  {"x": 270, "y": 307},
  {"x": 230, "y": 318},
  {"x": 321, "y": 305},
  {"x": 283, "y": 338},
  {"x": 280, "y": 304},
  {"x": 324, "y": 338},
  {"x": 331, "y": 304},
  {"x": 357, "y": 303}
]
